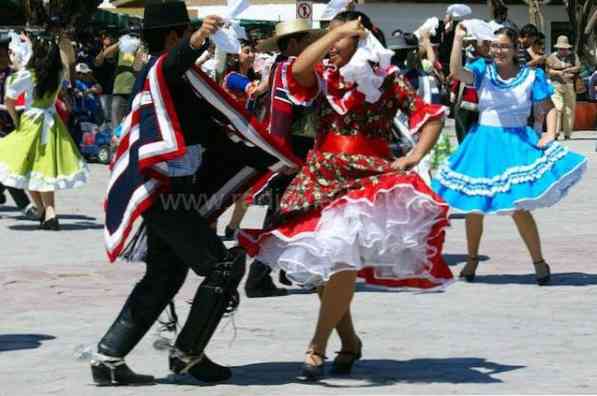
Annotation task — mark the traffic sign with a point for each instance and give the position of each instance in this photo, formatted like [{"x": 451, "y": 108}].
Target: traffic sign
[{"x": 304, "y": 10}]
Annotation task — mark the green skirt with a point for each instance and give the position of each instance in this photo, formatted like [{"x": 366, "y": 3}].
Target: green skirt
[{"x": 35, "y": 159}]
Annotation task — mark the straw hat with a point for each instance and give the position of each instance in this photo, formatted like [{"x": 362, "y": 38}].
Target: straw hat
[
  {"x": 287, "y": 28},
  {"x": 562, "y": 43}
]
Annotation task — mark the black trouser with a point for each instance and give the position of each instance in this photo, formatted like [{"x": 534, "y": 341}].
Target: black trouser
[
  {"x": 177, "y": 239},
  {"x": 19, "y": 196}
]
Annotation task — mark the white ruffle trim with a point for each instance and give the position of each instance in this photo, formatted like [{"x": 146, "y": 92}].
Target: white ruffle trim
[
  {"x": 489, "y": 187},
  {"x": 390, "y": 234},
  {"x": 35, "y": 181}
]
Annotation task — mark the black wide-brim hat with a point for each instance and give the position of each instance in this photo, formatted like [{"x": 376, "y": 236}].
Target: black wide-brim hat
[{"x": 163, "y": 13}]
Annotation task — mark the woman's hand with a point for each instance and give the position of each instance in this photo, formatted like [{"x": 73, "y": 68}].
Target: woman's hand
[
  {"x": 404, "y": 164},
  {"x": 460, "y": 32},
  {"x": 351, "y": 29},
  {"x": 545, "y": 140}
]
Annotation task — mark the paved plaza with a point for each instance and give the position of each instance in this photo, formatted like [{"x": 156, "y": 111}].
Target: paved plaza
[{"x": 501, "y": 334}]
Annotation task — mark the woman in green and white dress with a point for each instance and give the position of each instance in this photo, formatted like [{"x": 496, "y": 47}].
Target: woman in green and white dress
[{"x": 40, "y": 155}]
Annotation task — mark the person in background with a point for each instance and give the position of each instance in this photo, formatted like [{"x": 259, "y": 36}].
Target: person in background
[
  {"x": 87, "y": 93},
  {"x": 526, "y": 39},
  {"x": 6, "y": 126},
  {"x": 105, "y": 71},
  {"x": 537, "y": 52},
  {"x": 500, "y": 17},
  {"x": 563, "y": 67},
  {"x": 126, "y": 69}
]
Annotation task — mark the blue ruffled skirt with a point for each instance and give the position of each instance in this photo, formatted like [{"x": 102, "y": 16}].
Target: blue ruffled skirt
[{"x": 501, "y": 170}]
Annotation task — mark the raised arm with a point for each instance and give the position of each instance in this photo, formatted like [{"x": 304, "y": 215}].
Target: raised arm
[
  {"x": 303, "y": 69},
  {"x": 182, "y": 57},
  {"x": 456, "y": 69},
  {"x": 106, "y": 53}
]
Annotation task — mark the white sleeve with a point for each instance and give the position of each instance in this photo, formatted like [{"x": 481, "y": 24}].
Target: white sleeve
[{"x": 19, "y": 82}]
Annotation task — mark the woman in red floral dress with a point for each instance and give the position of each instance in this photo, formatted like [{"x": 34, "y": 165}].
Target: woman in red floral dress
[{"x": 353, "y": 206}]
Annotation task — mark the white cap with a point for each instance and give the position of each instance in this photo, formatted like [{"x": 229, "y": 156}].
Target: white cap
[
  {"x": 459, "y": 11},
  {"x": 82, "y": 68}
]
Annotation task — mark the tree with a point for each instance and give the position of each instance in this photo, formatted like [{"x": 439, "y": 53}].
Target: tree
[
  {"x": 536, "y": 12},
  {"x": 583, "y": 18}
]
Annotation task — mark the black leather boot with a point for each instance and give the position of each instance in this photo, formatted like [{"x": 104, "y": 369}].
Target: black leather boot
[
  {"x": 260, "y": 284},
  {"x": 115, "y": 372},
  {"x": 199, "y": 367}
]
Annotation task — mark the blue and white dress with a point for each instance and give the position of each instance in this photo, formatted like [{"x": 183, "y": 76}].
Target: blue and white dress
[{"x": 499, "y": 168}]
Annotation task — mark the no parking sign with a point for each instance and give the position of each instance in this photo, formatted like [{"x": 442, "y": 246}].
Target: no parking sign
[{"x": 304, "y": 10}]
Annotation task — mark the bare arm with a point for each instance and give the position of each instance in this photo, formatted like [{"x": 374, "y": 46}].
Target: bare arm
[
  {"x": 551, "y": 121},
  {"x": 11, "y": 107},
  {"x": 456, "y": 69},
  {"x": 427, "y": 47},
  {"x": 106, "y": 53},
  {"x": 303, "y": 68},
  {"x": 428, "y": 138}
]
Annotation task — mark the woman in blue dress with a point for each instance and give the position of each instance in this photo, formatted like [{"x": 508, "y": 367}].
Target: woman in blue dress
[{"x": 503, "y": 166}]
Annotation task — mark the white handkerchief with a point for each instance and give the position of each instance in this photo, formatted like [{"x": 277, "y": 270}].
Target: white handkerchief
[
  {"x": 333, "y": 8},
  {"x": 459, "y": 11},
  {"x": 479, "y": 29},
  {"x": 128, "y": 44},
  {"x": 495, "y": 26},
  {"x": 359, "y": 69},
  {"x": 430, "y": 25},
  {"x": 235, "y": 8},
  {"x": 21, "y": 50},
  {"x": 226, "y": 38}
]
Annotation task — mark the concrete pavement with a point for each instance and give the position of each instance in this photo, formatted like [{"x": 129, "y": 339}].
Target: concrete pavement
[{"x": 502, "y": 334}]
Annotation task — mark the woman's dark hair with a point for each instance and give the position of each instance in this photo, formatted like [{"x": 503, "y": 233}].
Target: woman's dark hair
[
  {"x": 46, "y": 65},
  {"x": 154, "y": 38},
  {"x": 347, "y": 16}
]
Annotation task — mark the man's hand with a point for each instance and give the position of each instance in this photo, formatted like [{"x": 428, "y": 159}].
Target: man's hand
[{"x": 210, "y": 25}]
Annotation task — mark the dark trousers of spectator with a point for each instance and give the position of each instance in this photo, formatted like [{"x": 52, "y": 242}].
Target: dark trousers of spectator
[
  {"x": 464, "y": 119},
  {"x": 19, "y": 196}
]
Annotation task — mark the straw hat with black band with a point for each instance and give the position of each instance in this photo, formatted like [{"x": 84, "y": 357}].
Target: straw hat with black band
[{"x": 285, "y": 29}]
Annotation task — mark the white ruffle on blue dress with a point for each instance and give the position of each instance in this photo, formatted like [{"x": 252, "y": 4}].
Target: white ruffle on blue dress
[{"x": 499, "y": 168}]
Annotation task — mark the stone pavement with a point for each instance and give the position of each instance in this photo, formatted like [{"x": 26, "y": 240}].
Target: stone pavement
[{"x": 502, "y": 334}]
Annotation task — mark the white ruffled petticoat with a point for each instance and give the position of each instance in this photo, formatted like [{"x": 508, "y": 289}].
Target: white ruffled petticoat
[{"x": 391, "y": 234}]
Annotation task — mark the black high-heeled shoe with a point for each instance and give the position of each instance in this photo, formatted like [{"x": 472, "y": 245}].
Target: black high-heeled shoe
[
  {"x": 50, "y": 224},
  {"x": 541, "y": 267},
  {"x": 311, "y": 372},
  {"x": 468, "y": 272},
  {"x": 343, "y": 366}
]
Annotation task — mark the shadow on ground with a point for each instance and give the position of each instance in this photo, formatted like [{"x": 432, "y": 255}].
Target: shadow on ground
[
  {"x": 369, "y": 373},
  {"x": 455, "y": 259},
  {"x": 17, "y": 342},
  {"x": 78, "y": 226},
  {"x": 557, "y": 279}
]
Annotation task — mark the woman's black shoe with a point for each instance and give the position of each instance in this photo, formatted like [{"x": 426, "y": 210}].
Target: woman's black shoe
[
  {"x": 468, "y": 272},
  {"x": 116, "y": 372},
  {"x": 198, "y": 367},
  {"x": 311, "y": 372},
  {"x": 50, "y": 225},
  {"x": 344, "y": 366},
  {"x": 542, "y": 273}
]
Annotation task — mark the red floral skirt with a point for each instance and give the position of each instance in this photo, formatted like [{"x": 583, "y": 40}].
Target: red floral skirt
[{"x": 354, "y": 212}]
